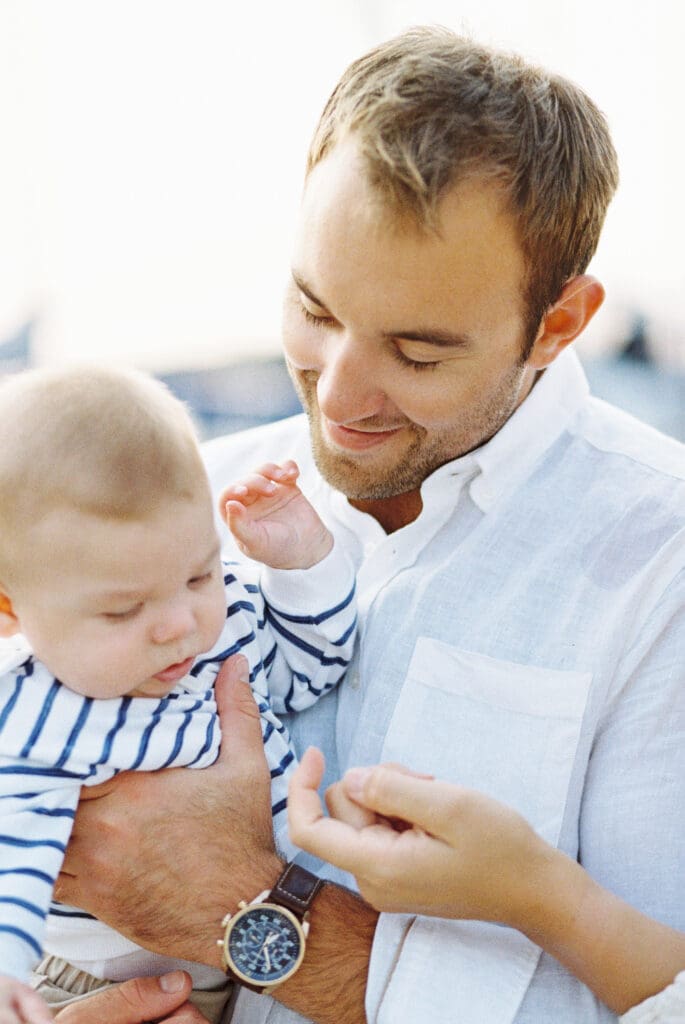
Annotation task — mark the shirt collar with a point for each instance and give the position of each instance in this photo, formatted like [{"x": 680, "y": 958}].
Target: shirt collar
[{"x": 508, "y": 457}]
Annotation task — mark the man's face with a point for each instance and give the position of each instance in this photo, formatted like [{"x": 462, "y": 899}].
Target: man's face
[
  {"x": 404, "y": 346},
  {"x": 116, "y": 607}
]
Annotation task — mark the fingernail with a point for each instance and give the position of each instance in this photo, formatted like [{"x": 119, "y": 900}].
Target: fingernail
[
  {"x": 172, "y": 982},
  {"x": 355, "y": 780}
]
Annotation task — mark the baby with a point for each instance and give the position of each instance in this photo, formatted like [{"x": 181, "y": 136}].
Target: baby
[{"x": 120, "y": 613}]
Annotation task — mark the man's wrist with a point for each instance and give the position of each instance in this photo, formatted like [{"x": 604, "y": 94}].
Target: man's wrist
[
  {"x": 265, "y": 875},
  {"x": 330, "y": 986},
  {"x": 265, "y": 939}
]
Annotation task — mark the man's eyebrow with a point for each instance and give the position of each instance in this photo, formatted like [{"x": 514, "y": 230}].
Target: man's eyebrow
[
  {"x": 306, "y": 290},
  {"x": 430, "y": 336}
]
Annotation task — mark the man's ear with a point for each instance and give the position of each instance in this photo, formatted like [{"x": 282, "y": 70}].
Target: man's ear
[
  {"x": 578, "y": 302},
  {"x": 9, "y": 623}
]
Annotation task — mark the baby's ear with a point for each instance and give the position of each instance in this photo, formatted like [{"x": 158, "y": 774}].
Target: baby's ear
[{"x": 9, "y": 623}]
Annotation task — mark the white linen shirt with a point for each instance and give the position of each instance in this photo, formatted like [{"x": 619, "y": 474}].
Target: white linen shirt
[{"x": 524, "y": 636}]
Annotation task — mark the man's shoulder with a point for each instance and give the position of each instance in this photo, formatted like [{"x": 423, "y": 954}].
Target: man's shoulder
[
  {"x": 235, "y": 454},
  {"x": 632, "y": 444}
]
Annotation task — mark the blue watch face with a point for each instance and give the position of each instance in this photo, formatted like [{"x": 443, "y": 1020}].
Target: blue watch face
[{"x": 265, "y": 944}]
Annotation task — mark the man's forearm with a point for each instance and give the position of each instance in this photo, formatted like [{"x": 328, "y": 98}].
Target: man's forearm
[{"x": 330, "y": 986}]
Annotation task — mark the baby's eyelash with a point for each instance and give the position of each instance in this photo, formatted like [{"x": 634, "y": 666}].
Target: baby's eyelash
[
  {"x": 199, "y": 580},
  {"x": 130, "y": 613}
]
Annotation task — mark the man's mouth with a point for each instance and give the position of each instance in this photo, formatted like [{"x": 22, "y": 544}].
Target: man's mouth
[{"x": 358, "y": 440}]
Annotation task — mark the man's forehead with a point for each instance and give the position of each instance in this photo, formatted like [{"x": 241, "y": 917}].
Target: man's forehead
[{"x": 340, "y": 189}]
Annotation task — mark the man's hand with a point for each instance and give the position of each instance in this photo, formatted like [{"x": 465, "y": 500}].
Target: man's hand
[
  {"x": 272, "y": 521},
  {"x": 137, "y": 1002},
  {"x": 21, "y": 1005},
  {"x": 162, "y": 856}
]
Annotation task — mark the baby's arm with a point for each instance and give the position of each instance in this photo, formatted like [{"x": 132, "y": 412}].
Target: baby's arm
[
  {"x": 272, "y": 521},
  {"x": 21, "y": 1005},
  {"x": 306, "y": 626},
  {"x": 34, "y": 830}
]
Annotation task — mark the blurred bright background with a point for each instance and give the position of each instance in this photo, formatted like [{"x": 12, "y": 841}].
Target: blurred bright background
[{"x": 153, "y": 153}]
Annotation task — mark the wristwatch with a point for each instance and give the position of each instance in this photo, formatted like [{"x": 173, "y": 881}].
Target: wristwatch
[{"x": 264, "y": 941}]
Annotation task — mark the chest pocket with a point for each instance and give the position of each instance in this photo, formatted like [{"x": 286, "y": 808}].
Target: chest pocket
[{"x": 507, "y": 729}]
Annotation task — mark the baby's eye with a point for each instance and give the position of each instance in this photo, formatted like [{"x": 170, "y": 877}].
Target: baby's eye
[
  {"x": 197, "y": 581},
  {"x": 123, "y": 616}
]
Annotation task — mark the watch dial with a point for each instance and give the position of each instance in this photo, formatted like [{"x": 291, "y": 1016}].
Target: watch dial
[{"x": 264, "y": 944}]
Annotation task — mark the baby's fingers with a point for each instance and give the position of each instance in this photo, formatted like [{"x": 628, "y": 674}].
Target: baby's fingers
[{"x": 285, "y": 473}]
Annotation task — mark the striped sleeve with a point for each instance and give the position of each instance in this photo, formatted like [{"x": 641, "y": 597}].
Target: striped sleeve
[
  {"x": 35, "y": 825},
  {"x": 307, "y": 629}
]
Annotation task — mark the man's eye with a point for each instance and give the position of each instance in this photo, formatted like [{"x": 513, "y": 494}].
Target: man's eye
[
  {"x": 317, "y": 319},
  {"x": 414, "y": 364}
]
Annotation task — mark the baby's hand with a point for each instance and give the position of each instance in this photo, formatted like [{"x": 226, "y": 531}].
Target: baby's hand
[
  {"x": 272, "y": 521},
  {"x": 21, "y": 1005}
]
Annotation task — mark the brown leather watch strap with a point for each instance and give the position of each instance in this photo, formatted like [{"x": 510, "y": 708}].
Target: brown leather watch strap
[{"x": 295, "y": 889}]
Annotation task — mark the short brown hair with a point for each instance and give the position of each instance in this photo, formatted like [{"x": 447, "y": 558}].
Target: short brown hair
[
  {"x": 107, "y": 442},
  {"x": 430, "y": 108}
]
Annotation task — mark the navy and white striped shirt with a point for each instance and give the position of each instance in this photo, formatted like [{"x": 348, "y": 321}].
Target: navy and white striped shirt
[{"x": 53, "y": 741}]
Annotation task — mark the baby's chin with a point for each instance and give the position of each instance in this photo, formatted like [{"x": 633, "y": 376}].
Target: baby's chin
[{"x": 152, "y": 688}]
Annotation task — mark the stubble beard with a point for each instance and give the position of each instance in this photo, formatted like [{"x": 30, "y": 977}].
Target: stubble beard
[{"x": 421, "y": 457}]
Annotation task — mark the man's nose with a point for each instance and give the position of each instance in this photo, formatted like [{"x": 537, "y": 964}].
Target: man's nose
[
  {"x": 176, "y": 621},
  {"x": 347, "y": 386}
]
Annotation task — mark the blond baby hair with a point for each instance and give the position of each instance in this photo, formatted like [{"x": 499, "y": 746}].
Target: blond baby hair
[{"x": 107, "y": 442}]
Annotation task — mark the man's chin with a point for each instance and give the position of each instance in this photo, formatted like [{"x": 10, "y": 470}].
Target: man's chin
[{"x": 359, "y": 479}]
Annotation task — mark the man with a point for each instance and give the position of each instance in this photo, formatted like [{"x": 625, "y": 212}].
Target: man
[{"x": 520, "y": 547}]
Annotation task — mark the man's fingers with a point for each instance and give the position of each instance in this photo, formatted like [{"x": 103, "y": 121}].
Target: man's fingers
[
  {"x": 29, "y": 1006},
  {"x": 134, "y": 1002},
  {"x": 238, "y": 712}
]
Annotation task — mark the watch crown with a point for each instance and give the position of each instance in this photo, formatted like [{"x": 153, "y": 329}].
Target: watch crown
[
  {"x": 220, "y": 942},
  {"x": 225, "y": 921}
]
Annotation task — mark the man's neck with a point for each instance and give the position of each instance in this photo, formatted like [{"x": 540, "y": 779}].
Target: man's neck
[{"x": 392, "y": 513}]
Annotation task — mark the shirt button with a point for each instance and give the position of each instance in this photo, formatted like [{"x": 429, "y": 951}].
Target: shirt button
[{"x": 353, "y": 680}]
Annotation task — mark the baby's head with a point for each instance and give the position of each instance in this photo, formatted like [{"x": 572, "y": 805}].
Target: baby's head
[{"x": 109, "y": 556}]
